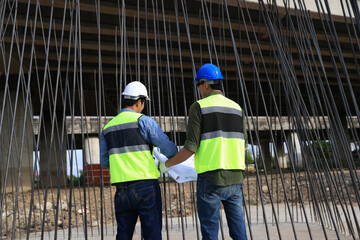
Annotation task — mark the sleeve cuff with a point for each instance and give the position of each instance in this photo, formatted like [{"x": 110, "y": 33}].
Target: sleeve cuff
[{"x": 190, "y": 146}]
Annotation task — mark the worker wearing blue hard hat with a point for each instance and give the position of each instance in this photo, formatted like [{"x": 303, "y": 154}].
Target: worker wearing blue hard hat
[
  {"x": 216, "y": 135},
  {"x": 209, "y": 73}
]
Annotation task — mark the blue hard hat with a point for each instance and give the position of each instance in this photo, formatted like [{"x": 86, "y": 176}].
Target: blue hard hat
[{"x": 208, "y": 72}]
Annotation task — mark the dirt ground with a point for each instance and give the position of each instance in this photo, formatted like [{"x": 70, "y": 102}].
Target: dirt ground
[{"x": 271, "y": 187}]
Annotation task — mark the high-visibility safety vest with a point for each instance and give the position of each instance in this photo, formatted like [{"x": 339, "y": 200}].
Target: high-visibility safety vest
[
  {"x": 130, "y": 158},
  {"x": 222, "y": 144}
]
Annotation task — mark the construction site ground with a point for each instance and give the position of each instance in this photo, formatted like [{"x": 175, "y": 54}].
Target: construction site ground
[{"x": 251, "y": 190}]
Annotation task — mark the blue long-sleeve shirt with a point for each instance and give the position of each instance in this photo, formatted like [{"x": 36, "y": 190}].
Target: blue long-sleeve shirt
[{"x": 150, "y": 131}]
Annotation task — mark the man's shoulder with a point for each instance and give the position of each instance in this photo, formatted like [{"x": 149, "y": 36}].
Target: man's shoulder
[
  {"x": 232, "y": 103},
  {"x": 146, "y": 117},
  {"x": 194, "y": 109},
  {"x": 119, "y": 119},
  {"x": 147, "y": 121},
  {"x": 110, "y": 123},
  {"x": 195, "y": 105}
]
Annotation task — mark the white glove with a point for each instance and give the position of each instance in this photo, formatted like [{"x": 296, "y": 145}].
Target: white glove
[{"x": 163, "y": 168}]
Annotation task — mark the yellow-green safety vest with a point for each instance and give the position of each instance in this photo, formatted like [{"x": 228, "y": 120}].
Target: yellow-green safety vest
[
  {"x": 130, "y": 157},
  {"x": 222, "y": 144}
]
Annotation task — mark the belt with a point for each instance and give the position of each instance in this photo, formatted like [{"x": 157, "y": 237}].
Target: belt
[{"x": 126, "y": 184}]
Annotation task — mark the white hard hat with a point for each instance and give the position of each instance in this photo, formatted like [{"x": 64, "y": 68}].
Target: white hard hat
[{"x": 135, "y": 90}]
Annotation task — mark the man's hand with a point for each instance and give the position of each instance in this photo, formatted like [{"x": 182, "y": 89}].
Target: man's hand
[{"x": 163, "y": 168}]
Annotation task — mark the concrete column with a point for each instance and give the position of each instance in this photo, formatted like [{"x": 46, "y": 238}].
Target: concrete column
[
  {"x": 281, "y": 154},
  {"x": 92, "y": 157},
  {"x": 92, "y": 150},
  {"x": 10, "y": 152},
  {"x": 51, "y": 154},
  {"x": 295, "y": 149},
  {"x": 342, "y": 140},
  {"x": 265, "y": 150}
]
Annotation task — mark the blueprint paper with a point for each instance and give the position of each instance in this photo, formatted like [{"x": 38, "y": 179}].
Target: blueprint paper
[{"x": 183, "y": 172}]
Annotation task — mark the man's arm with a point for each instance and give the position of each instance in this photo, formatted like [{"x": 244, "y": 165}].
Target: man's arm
[
  {"x": 180, "y": 157},
  {"x": 153, "y": 134},
  {"x": 193, "y": 133},
  {"x": 104, "y": 152}
]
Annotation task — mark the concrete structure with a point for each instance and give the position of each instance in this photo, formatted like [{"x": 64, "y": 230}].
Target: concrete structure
[
  {"x": 341, "y": 139},
  {"x": 261, "y": 124},
  {"x": 92, "y": 154},
  {"x": 91, "y": 124},
  {"x": 92, "y": 150},
  {"x": 16, "y": 144},
  {"x": 295, "y": 150},
  {"x": 282, "y": 161},
  {"x": 78, "y": 58},
  {"x": 52, "y": 153},
  {"x": 50, "y": 159}
]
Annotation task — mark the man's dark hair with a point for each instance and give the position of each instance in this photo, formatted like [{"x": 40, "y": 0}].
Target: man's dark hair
[
  {"x": 130, "y": 102},
  {"x": 217, "y": 86}
]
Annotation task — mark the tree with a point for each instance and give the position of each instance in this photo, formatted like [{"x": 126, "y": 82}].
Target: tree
[
  {"x": 249, "y": 158},
  {"x": 323, "y": 152}
]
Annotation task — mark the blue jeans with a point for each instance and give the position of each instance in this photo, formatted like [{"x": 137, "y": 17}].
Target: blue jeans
[
  {"x": 138, "y": 198},
  {"x": 209, "y": 197}
]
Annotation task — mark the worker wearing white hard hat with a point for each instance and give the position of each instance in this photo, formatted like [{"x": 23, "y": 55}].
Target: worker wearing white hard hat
[
  {"x": 135, "y": 90},
  {"x": 126, "y": 143}
]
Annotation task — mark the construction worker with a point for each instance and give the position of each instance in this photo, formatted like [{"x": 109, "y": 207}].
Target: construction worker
[
  {"x": 125, "y": 147},
  {"x": 216, "y": 135}
]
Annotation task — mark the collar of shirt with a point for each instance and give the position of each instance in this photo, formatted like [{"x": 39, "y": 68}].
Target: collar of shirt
[
  {"x": 215, "y": 93},
  {"x": 126, "y": 110}
]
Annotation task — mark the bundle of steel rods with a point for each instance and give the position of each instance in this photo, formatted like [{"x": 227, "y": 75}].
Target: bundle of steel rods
[{"x": 293, "y": 67}]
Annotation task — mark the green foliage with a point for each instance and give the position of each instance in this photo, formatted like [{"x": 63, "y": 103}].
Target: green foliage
[
  {"x": 323, "y": 152},
  {"x": 249, "y": 158},
  {"x": 273, "y": 163},
  {"x": 259, "y": 163},
  {"x": 356, "y": 158},
  {"x": 77, "y": 180}
]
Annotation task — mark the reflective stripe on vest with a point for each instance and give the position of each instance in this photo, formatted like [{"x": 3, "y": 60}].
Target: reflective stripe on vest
[
  {"x": 222, "y": 144},
  {"x": 129, "y": 154}
]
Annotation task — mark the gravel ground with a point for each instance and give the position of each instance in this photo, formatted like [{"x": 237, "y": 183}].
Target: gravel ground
[{"x": 46, "y": 220}]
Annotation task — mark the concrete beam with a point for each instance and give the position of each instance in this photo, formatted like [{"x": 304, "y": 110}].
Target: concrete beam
[{"x": 94, "y": 125}]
